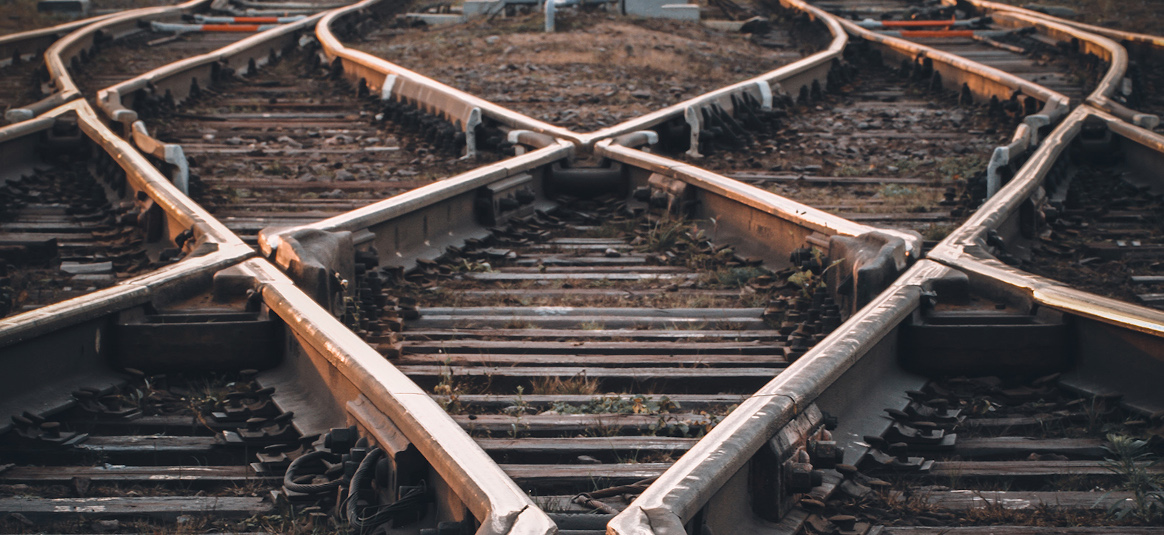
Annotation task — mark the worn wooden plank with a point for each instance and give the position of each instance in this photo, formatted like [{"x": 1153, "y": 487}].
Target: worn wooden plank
[
  {"x": 592, "y": 372},
  {"x": 616, "y": 276},
  {"x": 1020, "y": 424},
  {"x": 542, "y": 402},
  {"x": 974, "y": 499},
  {"x": 661, "y": 335},
  {"x": 180, "y": 425},
  {"x": 431, "y": 321},
  {"x": 578, "y": 261},
  {"x": 1012, "y": 446},
  {"x": 1003, "y": 469},
  {"x": 167, "y": 508},
  {"x": 610, "y": 348},
  {"x": 588, "y": 312},
  {"x": 574, "y": 423},
  {"x": 583, "y": 445},
  {"x": 804, "y": 180},
  {"x": 520, "y": 359},
  {"x": 532, "y": 474},
  {"x": 210, "y": 475},
  {"x": 137, "y": 450},
  {"x": 592, "y": 292}
]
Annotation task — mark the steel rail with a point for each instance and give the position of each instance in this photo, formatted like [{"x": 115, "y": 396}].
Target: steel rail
[
  {"x": 423, "y": 197},
  {"x": 1153, "y": 41},
  {"x": 984, "y": 81},
  {"x": 26, "y": 43},
  {"x": 181, "y": 214},
  {"x": 429, "y": 94},
  {"x": 797, "y": 215},
  {"x": 801, "y": 73},
  {"x": 453, "y": 102},
  {"x": 965, "y": 248},
  {"x": 499, "y": 504},
  {"x": 62, "y": 51},
  {"x": 1106, "y": 49},
  {"x": 179, "y": 79},
  {"x": 675, "y": 498},
  {"x": 1127, "y": 39}
]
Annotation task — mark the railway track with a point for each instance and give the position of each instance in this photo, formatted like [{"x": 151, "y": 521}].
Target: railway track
[
  {"x": 585, "y": 336},
  {"x": 66, "y": 230},
  {"x": 882, "y": 149},
  {"x": 276, "y": 148},
  {"x": 587, "y": 349}
]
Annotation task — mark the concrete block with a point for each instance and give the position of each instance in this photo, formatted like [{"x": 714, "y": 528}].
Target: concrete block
[
  {"x": 681, "y": 12},
  {"x": 664, "y": 9},
  {"x": 435, "y": 19},
  {"x": 479, "y": 8},
  {"x": 645, "y": 8}
]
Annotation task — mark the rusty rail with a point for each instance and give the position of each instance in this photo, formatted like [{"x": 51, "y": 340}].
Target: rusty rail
[
  {"x": 61, "y": 53},
  {"x": 964, "y": 249},
  {"x": 675, "y": 498},
  {"x": 181, "y": 77},
  {"x": 1125, "y": 39},
  {"x": 221, "y": 246},
  {"x": 394, "y": 81},
  {"x": 788, "y": 78},
  {"x": 25, "y": 43}
]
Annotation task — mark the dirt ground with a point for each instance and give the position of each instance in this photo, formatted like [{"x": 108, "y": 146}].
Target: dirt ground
[
  {"x": 1145, "y": 16},
  {"x": 597, "y": 70},
  {"x": 21, "y": 15}
]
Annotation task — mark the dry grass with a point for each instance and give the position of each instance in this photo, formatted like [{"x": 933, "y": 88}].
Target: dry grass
[{"x": 555, "y": 386}]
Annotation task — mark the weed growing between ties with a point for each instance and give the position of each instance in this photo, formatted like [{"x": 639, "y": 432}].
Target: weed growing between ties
[{"x": 1130, "y": 458}]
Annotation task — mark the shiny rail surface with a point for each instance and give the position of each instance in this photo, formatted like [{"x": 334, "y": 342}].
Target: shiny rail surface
[{"x": 361, "y": 329}]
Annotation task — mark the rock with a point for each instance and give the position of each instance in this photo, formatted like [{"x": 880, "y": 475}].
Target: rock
[
  {"x": 308, "y": 177},
  {"x": 892, "y": 169},
  {"x": 207, "y": 137},
  {"x": 234, "y": 141},
  {"x": 343, "y": 175},
  {"x": 492, "y": 39},
  {"x": 333, "y": 194},
  {"x": 863, "y": 126},
  {"x": 641, "y": 94},
  {"x": 290, "y": 142},
  {"x": 106, "y": 526}
]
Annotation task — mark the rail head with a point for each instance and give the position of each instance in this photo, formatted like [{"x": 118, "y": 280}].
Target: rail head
[
  {"x": 58, "y": 55},
  {"x": 765, "y": 82},
  {"x": 771, "y": 203},
  {"x": 110, "y": 100},
  {"x": 1090, "y": 43},
  {"x": 429, "y": 93},
  {"x": 494, "y": 499},
  {"x": 212, "y": 246},
  {"x": 675, "y": 498},
  {"x": 991, "y": 81},
  {"x": 1152, "y": 41},
  {"x": 410, "y": 201},
  {"x": 965, "y": 249}
]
